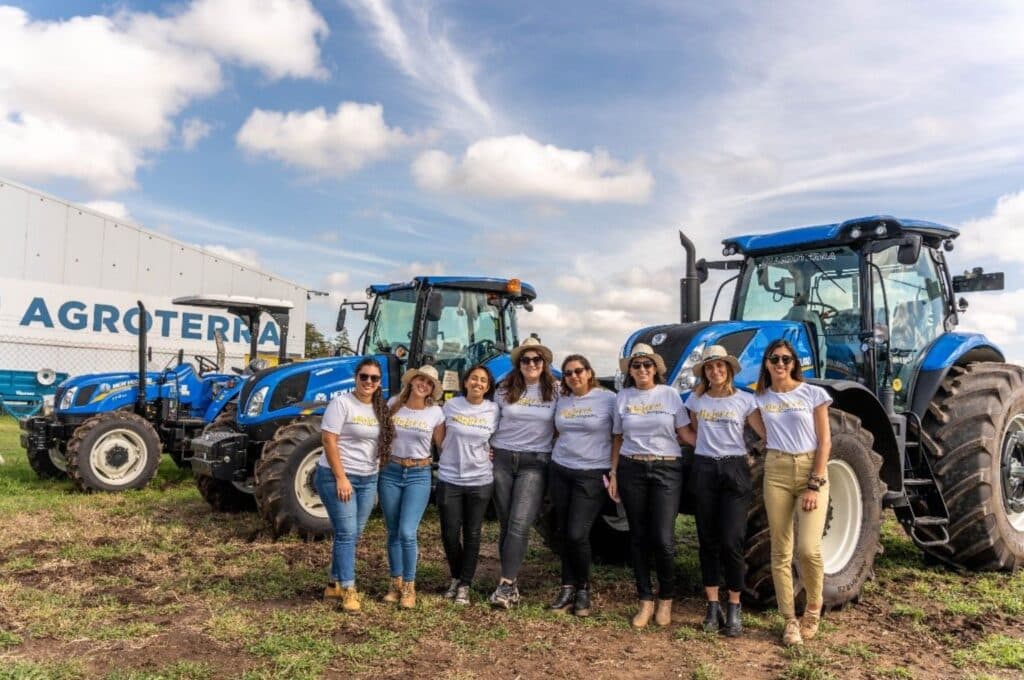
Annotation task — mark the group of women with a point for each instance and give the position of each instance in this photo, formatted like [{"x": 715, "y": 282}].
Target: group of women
[{"x": 511, "y": 443}]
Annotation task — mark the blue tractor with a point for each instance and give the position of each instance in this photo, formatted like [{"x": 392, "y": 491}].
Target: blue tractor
[
  {"x": 271, "y": 453},
  {"x": 107, "y": 435},
  {"x": 926, "y": 420}
]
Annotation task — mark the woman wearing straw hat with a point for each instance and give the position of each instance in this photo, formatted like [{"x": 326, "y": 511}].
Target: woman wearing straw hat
[
  {"x": 357, "y": 434},
  {"x": 405, "y": 478},
  {"x": 720, "y": 481},
  {"x": 522, "y": 446},
  {"x": 646, "y": 470}
]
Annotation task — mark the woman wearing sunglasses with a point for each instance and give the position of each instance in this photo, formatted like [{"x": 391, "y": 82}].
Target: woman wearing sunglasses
[
  {"x": 522, "y": 447},
  {"x": 465, "y": 477},
  {"x": 405, "y": 480},
  {"x": 646, "y": 470},
  {"x": 720, "y": 481},
  {"x": 581, "y": 457},
  {"x": 799, "y": 442},
  {"x": 357, "y": 435}
]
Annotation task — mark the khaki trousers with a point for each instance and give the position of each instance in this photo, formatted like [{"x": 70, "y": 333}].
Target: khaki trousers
[{"x": 785, "y": 480}]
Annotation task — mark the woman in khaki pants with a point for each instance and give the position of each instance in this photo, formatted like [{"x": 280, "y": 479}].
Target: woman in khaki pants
[{"x": 795, "y": 417}]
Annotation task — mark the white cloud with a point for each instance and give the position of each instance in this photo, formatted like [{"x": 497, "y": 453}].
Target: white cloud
[
  {"x": 999, "y": 235},
  {"x": 244, "y": 256},
  {"x": 414, "y": 268},
  {"x": 192, "y": 131},
  {"x": 114, "y": 209},
  {"x": 575, "y": 284},
  {"x": 520, "y": 167},
  {"x": 337, "y": 143}
]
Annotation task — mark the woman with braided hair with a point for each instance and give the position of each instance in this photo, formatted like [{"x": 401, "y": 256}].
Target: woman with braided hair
[{"x": 357, "y": 436}]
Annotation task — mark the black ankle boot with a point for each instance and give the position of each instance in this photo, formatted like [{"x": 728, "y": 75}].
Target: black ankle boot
[
  {"x": 582, "y": 606},
  {"x": 733, "y": 620},
  {"x": 564, "y": 600},
  {"x": 713, "y": 619}
]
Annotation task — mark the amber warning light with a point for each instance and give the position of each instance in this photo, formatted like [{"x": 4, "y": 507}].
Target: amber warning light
[{"x": 514, "y": 287}]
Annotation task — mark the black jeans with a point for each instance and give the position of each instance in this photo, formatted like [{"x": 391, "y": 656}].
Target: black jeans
[
  {"x": 577, "y": 497},
  {"x": 519, "y": 479},
  {"x": 722, "y": 490},
  {"x": 462, "y": 510},
  {"x": 650, "y": 494}
]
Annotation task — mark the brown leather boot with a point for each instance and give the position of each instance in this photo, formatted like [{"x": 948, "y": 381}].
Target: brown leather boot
[
  {"x": 333, "y": 591},
  {"x": 791, "y": 633},
  {"x": 394, "y": 589},
  {"x": 408, "y": 599},
  {"x": 350, "y": 599},
  {"x": 809, "y": 622},
  {"x": 663, "y": 616},
  {"x": 643, "y": 616}
]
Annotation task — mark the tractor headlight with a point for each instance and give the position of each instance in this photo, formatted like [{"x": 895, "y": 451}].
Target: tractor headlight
[
  {"x": 255, "y": 404},
  {"x": 686, "y": 379},
  {"x": 68, "y": 399}
]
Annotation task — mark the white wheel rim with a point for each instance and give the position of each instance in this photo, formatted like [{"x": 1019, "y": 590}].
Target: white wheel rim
[
  {"x": 58, "y": 459},
  {"x": 118, "y": 457},
  {"x": 1010, "y": 459},
  {"x": 305, "y": 489},
  {"x": 843, "y": 532}
]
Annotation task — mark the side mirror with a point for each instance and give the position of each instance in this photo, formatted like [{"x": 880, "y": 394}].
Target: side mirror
[
  {"x": 339, "y": 325},
  {"x": 909, "y": 250},
  {"x": 434, "y": 306},
  {"x": 702, "y": 270}
]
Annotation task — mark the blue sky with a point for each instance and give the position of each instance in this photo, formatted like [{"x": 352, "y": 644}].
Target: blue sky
[{"x": 345, "y": 142}]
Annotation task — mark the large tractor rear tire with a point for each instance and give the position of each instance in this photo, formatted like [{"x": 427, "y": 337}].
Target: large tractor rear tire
[
  {"x": 49, "y": 464},
  {"x": 609, "y": 537},
  {"x": 852, "y": 536},
  {"x": 285, "y": 494},
  {"x": 113, "y": 451},
  {"x": 224, "y": 496},
  {"x": 974, "y": 436}
]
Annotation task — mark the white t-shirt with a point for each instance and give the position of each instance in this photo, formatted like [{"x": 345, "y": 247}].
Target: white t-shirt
[
  {"x": 466, "y": 450},
  {"x": 648, "y": 419},
  {"x": 584, "y": 427},
  {"x": 789, "y": 417},
  {"x": 414, "y": 429},
  {"x": 720, "y": 422},
  {"x": 528, "y": 424},
  {"x": 357, "y": 428}
]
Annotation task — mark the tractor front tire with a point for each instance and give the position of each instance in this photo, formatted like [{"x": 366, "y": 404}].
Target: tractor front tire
[
  {"x": 852, "y": 537},
  {"x": 224, "y": 496},
  {"x": 49, "y": 464},
  {"x": 113, "y": 451},
  {"x": 970, "y": 434},
  {"x": 285, "y": 494}
]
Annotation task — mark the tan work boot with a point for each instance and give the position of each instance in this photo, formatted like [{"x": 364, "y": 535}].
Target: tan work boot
[
  {"x": 408, "y": 599},
  {"x": 332, "y": 591},
  {"x": 394, "y": 589},
  {"x": 644, "y": 615},
  {"x": 350, "y": 599},
  {"x": 791, "y": 633},
  {"x": 809, "y": 623},
  {"x": 663, "y": 616}
]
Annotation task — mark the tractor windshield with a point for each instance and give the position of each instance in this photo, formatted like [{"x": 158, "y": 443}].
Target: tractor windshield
[
  {"x": 390, "y": 325},
  {"x": 466, "y": 327}
]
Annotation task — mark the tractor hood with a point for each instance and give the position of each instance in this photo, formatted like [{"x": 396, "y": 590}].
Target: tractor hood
[
  {"x": 681, "y": 345},
  {"x": 101, "y": 392}
]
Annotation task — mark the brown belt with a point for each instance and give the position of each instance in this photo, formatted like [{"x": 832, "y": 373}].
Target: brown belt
[
  {"x": 411, "y": 462},
  {"x": 648, "y": 458}
]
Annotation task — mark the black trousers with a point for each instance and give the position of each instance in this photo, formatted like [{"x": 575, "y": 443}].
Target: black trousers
[
  {"x": 519, "y": 481},
  {"x": 577, "y": 497},
  {"x": 650, "y": 495},
  {"x": 462, "y": 510},
  {"x": 722, "y": 490}
]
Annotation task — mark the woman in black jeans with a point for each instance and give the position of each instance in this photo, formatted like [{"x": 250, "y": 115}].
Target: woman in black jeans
[
  {"x": 465, "y": 481},
  {"x": 720, "y": 481},
  {"x": 522, "y": 447},
  {"x": 649, "y": 421},
  {"x": 582, "y": 454}
]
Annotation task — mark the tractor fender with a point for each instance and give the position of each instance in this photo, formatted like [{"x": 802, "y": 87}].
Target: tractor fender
[
  {"x": 857, "y": 400},
  {"x": 946, "y": 351}
]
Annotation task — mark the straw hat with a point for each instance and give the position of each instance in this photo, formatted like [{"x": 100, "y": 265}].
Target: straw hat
[
  {"x": 640, "y": 350},
  {"x": 716, "y": 353},
  {"x": 533, "y": 343},
  {"x": 428, "y": 372}
]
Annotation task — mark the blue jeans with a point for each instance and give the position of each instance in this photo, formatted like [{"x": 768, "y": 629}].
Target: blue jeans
[
  {"x": 404, "y": 493},
  {"x": 348, "y": 519},
  {"x": 519, "y": 481}
]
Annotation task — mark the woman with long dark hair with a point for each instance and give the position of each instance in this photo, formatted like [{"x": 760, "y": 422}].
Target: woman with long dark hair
[
  {"x": 357, "y": 435},
  {"x": 522, "y": 447},
  {"x": 799, "y": 443}
]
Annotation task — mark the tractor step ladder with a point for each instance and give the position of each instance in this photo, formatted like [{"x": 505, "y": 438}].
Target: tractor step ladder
[{"x": 920, "y": 489}]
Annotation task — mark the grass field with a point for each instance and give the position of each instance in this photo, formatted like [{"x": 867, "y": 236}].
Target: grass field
[{"x": 151, "y": 584}]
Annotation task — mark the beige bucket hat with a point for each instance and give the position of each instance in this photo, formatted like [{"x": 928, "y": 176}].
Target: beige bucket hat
[
  {"x": 534, "y": 344},
  {"x": 716, "y": 353},
  {"x": 640, "y": 350},
  {"x": 428, "y": 372}
]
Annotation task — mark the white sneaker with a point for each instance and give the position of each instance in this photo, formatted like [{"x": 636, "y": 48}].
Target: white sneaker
[
  {"x": 462, "y": 596},
  {"x": 453, "y": 589}
]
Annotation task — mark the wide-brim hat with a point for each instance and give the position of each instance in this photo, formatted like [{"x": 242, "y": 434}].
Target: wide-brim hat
[
  {"x": 640, "y": 350},
  {"x": 428, "y": 372},
  {"x": 534, "y": 344},
  {"x": 716, "y": 353}
]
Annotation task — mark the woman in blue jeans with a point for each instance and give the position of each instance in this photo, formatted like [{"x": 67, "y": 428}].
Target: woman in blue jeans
[
  {"x": 522, "y": 447},
  {"x": 405, "y": 479},
  {"x": 357, "y": 433}
]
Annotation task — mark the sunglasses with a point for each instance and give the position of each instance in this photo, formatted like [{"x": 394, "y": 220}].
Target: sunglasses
[
  {"x": 637, "y": 365},
  {"x": 534, "y": 360},
  {"x": 574, "y": 371},
  {"x": 369, "y": 377},
  {"x": 786, "y": 359}
]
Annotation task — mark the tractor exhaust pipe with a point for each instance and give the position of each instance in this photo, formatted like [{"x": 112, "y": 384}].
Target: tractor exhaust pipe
[
  {"x": 689, "y": 285},
  {"x": 140, "y": 399}
]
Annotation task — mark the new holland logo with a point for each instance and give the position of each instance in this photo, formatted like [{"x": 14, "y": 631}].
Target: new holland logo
[{"x": 658, "y": 339}]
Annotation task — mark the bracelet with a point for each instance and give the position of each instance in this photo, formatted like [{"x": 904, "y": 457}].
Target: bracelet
[
  {"x": 612, "y": 473},
  {"x": 813, "y": 487},
  {"x": 821, "y": 481}
]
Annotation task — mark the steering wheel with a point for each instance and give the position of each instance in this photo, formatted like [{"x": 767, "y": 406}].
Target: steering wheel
[
  {"x": 479, "y": 349},
  {"x": 205, "y": 365},
  {"x": 400, "y": 351},
  {"x": 828, "y": 312}
]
